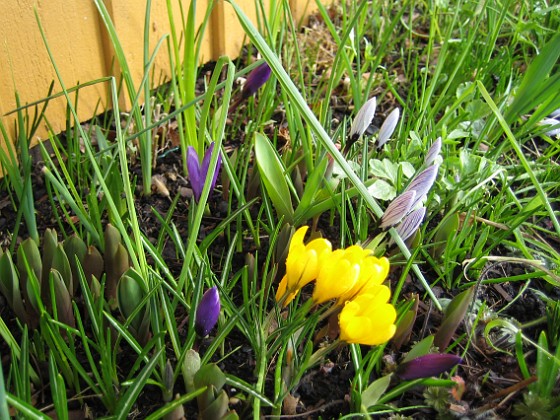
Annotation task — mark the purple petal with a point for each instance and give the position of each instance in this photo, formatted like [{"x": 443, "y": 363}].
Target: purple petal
[
  {"x": 427, "y": 366},
  {"x": 433, "y": 153},
  {"x": 206, "y": 165},
  {"x": 207, "y": 312},
  {"x": 363, "y": 118},
  {"x": 398, "y": 208},
  {"x": 422, "y": 183},
  {"x": 193, "y": 166},
  {"x": 411, "y": 223},
  {"x": 256, "y": 79},
  {"x": 388, "y": 127}
]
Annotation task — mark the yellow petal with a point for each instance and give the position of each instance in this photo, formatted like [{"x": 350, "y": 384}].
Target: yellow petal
[
  {"x": 338, "y": 274},
  {"x": 368, "y": 318},
  {"x": 373, "y": 272}
]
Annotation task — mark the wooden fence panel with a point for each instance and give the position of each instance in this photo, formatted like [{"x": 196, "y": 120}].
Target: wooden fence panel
[{"x": 83, "y": 52}]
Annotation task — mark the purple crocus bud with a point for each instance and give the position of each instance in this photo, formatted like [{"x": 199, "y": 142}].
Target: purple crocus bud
[
  {"x": 397, "y": 209},
  {"x": 207, "y": 312},
  {"x": 411, "y": 223},
  {"x": 422, "y": 183},
  {"x": 427, "y": 366},
  {"x": 256, "y": 79},
  {"x": 198, "y": 173}
]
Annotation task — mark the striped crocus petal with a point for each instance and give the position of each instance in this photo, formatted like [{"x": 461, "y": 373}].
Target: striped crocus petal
[
  {"x": 422, "y": 183},
  {"x": 388, "y": 127},
  {"x": 433, "y": 153},
  {"x": 411, "y": 223},
  {"x": 363, "y": 119},
  {"x": 398, "y": 208},
  {"x": 427, "y": 366}
]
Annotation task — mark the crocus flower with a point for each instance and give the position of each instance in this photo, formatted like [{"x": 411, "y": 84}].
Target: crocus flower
[
  {"x": 387, "y": 128},
  {"x": 433, "y": 152},
  {"x": 373, "y": 272},
  {"x": 411, "y": 223},
  {"x": 302, "y": 265},
  {"x": 258, "y": 77},
  {"x": 363, "y": 119},
  {"x": 427, "y": 366},
  {"x": 368, "y": 318},
  {"x": 198, "y": 173},
  {"x": 207, "y": 312},
  {"x": 338, "y": 273},
  {"x": 361, "y": 123},
  {"x": 397, "y": 209},
  {"x": 422, "y": 183}
]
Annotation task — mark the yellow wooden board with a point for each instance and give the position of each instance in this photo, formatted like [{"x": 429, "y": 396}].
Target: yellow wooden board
[{"x": 83, "y": 52}]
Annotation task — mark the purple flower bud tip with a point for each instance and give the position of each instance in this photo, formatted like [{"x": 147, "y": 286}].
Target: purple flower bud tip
[
  {"x": 256, "y": 79},
  {"x": 427, "y": 366},
  {"x": 198, "y": 173},
  {"x": 207, "y": 312}
]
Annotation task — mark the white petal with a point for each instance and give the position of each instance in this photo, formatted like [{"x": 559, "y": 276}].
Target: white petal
[
  {"x": 363, "y": 118},
  {"x": 388, "y": 126}
]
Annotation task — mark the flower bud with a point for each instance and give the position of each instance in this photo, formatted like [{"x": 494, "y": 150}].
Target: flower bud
[
  {"x": 256, "y": 79},
  {"x": 207, "y": 312},
  {"x": 388, "y": 127},
  {"x": 363, "y": 119},
  {"x": 427, "y": 366}
]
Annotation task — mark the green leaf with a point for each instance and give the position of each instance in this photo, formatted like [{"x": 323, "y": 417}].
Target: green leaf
[
  {"x": 313, "y": 184},
  {"x": 29, "y": 258},
  {"x": 9, "y": 286},
  {"x": 273, "y": 177},
  {"x": 382, "y": 190},
  {"x": 131, "y": 395},
  {"x": 533, "y": 89},
  {"x": 61, "y": 264},
  {"x": 375, "y": 390},
  {"x": 420, "y": 349},
  {"x": 58, "y": 389},
  {"x": 130, "y": 294},
  {"x": 75, "y": 249},
  {"x": 62, "y": 299},
  {"x": 453, "y": 317}
]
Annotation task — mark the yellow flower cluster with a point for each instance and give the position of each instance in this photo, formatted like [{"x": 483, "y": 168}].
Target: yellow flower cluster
[{"x": 352, "y": 276}]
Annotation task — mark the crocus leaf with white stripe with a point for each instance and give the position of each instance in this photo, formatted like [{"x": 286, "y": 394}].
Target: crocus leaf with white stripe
[
  {"x": 398, "y": 208},
  {"x": 388, "y": 127}
]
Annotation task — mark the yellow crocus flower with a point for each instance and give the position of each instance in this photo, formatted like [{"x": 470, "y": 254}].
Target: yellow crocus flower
[
  {"x": 373, "y": 272},
  {"x": 338, "y": 274},
  {"x": 302, "y": 265},
  {"x": 368, "y": 318}
]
